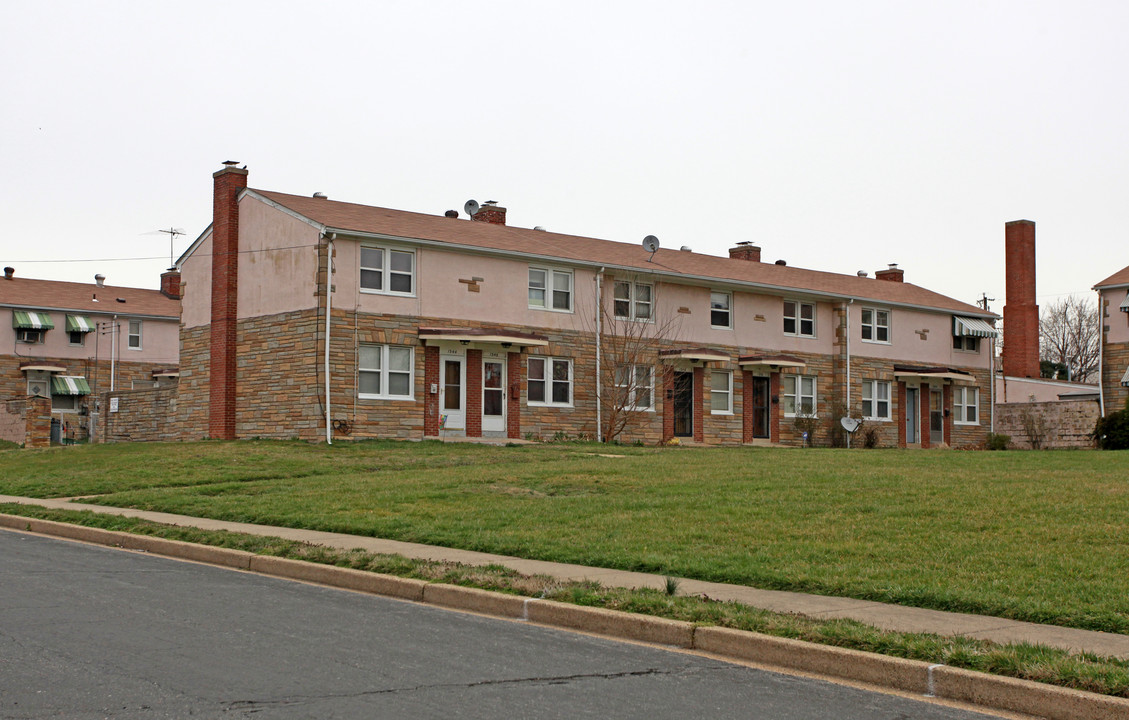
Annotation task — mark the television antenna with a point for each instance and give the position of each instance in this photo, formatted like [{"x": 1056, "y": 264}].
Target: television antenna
[
  {"x": 173, "y": 233},
  {"x": 651, "y": 245}
]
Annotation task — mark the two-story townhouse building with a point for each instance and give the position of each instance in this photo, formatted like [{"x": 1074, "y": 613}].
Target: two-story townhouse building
[
  {"x": 309, "y": 317},
  {"x": 66, "y": 341},
  {"x": 1113, "y": 314}
]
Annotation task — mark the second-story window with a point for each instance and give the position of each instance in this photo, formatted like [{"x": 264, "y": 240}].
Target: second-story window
[
  {"x": 134, "y": 338},
  {"x": 721, "y": 312},
  {"x": 550, "y": 289},
  {"x": 388, "y": 271},
  {"x": 633, "y": 301},
  {"x": 875, "y": 325},
  {"x": 799, "y": 318}
]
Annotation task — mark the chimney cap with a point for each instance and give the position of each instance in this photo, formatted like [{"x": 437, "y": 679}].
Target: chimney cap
[{"x": 231, "y": 163}]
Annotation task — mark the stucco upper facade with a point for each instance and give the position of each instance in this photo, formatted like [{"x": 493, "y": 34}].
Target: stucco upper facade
[
  {"x": 1113, "y": 310},
  {"x": 400, "y": 279}
]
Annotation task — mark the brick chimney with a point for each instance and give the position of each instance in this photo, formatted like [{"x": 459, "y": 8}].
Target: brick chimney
[
  {"x": 170, "y": 283},
  {"x": 1021, "y": 314},
  {"x": 893, "y": 273},
  {"x": 745, "y": 251},
  {"x": 227, "y": 184},
  {"x": 491, "y": 213}
]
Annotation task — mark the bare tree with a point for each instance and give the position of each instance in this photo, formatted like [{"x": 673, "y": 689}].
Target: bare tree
[
  {"x": 632, "y": 331},
  {"x": 1069, "y": 335}
]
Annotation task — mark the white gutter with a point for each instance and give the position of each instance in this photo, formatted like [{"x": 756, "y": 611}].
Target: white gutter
[
  {"x": 599, "y": 331},
  {"x": 328, "y": 313}
]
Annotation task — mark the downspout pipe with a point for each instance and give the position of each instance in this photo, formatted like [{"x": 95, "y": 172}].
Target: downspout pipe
[
  {"x": 847, "y": 315},
  {"x": 328, "y": 316},
  {"x": 1101, "y": 355},
  {"x": 599, "y": 331},
  {"x": 113, "y": 350}
]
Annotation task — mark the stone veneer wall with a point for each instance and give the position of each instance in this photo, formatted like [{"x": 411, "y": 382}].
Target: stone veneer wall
[
  {"x": 1067, "y": 423},
  {"x": 26, "y": 420},
  {"x": 281, "y": 387},
  {"x": 1115, "y": 359},
  {"x": 143, "y": 415}
]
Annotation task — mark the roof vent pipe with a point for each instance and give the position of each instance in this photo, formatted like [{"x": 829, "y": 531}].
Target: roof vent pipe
[
  {"x": 861, "y": 273},
  {"x": 781, "y": 262},
  {"x": 321, "y": 196},
  {"x": 100, "y": 280},
  {"x": 9, "y": 272},
  {"x": 451, "y": 214}
]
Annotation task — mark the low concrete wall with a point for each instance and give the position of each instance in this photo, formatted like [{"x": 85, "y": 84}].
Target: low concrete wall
[
  {"x": 1055, "y": 425},
  {"x": 146, "y": 415}
]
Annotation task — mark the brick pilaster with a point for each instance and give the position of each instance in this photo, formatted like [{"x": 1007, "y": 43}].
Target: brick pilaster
[
  {"x": 666, "y": 373},
  {"x": 699, "y": 404},
  {"x": 946, "y": 413},
  {"x": 227, "y": 184},
  {"x": 474, "y": 393},
  {"x": 924, "y": 426},
  {"x": 516, "y": 381},
  {"x": 431, "y": 403},
  {"x": 747, "y": 407},
  {"x": 774, "y": 407},
  {"x": 902, "y": 437}
]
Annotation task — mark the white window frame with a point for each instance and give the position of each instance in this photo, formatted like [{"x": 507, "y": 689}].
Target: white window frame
[
  {"x": 726, "y": 394},
  {"x": 961, "y": 343},
  {"x": 31, "y": 336},
  {"x": 549, "y": 289},
  {"x": 872, "y": 398},
  {"x": 385, "y": 371},
  {"x": 633, "y": 301},
  {"x": 874, "y": 328},
  {"x": 962, "y": 404},
  {"x": 797, "y": 317},
  {"x": 130, "y": 334},
  {"x": 634, "y": 384},
  {"x": 795, "y": 395},
  {"x": 548, "y": 379},
  {"x": 728, "y": 310},
  {"x": 385, "y": 270}
]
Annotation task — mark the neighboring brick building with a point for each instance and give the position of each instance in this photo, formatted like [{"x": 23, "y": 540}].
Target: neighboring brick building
[
  {"x": 439, "y": 326},
  {"x": 68, "y": 341},
  {"x": 1113, "y": 311}
]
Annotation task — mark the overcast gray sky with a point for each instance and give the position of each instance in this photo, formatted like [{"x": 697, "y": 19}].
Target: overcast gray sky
[{"x": 839, "y": 136}]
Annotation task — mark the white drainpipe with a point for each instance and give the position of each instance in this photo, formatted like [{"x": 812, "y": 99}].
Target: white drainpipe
[
  {"x": 113, "y": 350},
  {"x": 599, "y": 383},
  {"x": 1101, "y": 354},
  {"x": 328, "y": 313},
  {"x": 849, "y": 303}
]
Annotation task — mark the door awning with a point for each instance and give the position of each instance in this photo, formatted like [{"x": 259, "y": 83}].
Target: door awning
[
  {"x": 45, "y": 367},
  {"x": 483, "y": 335},
  {"x": 30, "y": 320},
  {"x": 69, "y": 385},
  {"x": 694, "y": 354},
  {"x": 774, "y": 362},
  {"x": 972, "y": 327},
  {"x": 79, "y": 323},
  {"x": 930, "y": 374}
]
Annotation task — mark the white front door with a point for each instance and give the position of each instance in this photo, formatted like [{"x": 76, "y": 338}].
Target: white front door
[
  {"x": 452, "y": 391},
  {"x": 493, "y": 393}
]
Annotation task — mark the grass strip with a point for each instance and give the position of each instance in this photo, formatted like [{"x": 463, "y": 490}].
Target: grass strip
[{"x": 1081, "y": 671}]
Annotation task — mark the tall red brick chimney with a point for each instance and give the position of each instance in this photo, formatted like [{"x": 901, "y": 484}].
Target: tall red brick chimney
[
  {"x": 745, "y": 250},
  {"x": 228, "y": 182},
  {"x": 170, "y": 283},
  {"x": 1021, "y": 314}
]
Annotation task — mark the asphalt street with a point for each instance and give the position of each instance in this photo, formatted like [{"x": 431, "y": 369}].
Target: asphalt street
[{"x": 93, "y": 632}]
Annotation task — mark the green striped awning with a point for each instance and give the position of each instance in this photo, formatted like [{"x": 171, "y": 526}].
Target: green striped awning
[
  {"x": 79, "y": 323},
  {"x": 69, "y": 385},
  {"x": 26, "y": 319},
  {"x": 972, "y": 327},
  {"x": 1125, "y": 303},
  {"x": 1125, "y": 378}
]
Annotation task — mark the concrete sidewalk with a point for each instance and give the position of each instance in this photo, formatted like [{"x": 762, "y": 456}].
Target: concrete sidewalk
[{"x": 881, "y": 615}]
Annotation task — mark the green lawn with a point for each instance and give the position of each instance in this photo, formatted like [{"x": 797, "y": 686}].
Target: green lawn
[{"x": 1030, "y": 535}]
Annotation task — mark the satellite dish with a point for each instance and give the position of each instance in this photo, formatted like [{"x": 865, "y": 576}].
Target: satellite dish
[
  {"x": 850, "y": 424},
  {"x": 651, "y": 244},
  {"x": 471, "y": 207}
]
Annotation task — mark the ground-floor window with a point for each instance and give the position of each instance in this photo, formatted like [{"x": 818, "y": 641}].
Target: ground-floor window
[
  {"x": 385, "y": 372},
  {"x": 797, "y": 395},
  {"x": 966, "y": 401},
  {"x": 549, "y": 381},
  {"x": 876, "y": 399},
  {"x": 635, "y": 386},
  {"x": 721, "y": 392}
]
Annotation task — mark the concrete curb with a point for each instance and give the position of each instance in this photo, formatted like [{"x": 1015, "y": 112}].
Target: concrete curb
[{"x": 989, "y": 692}]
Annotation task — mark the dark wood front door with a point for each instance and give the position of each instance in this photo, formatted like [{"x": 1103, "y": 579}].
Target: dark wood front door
[{"x": 683, "y": 404}]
